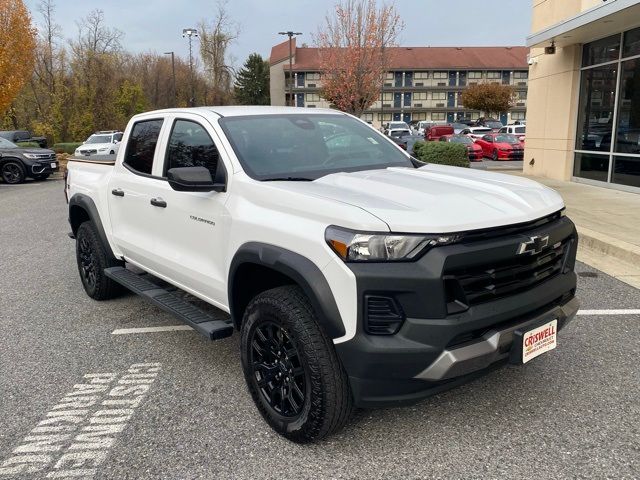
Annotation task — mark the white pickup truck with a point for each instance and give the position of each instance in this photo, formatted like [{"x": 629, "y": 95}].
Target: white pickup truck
[{"x": 356, "y": 275}]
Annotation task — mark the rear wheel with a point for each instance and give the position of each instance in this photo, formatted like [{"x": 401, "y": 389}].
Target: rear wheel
[
  {"x": 12, "y": 172},
  {"x": 291, "y": 368},
  {"x": 93, "y": 258}
]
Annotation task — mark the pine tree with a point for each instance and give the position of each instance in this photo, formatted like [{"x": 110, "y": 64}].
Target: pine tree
[{"x": 252, "y": 82}]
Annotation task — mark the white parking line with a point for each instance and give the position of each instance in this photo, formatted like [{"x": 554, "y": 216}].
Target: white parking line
[
  {"x": 610, "y": 312},
  {"x": 172, "y": 328}
]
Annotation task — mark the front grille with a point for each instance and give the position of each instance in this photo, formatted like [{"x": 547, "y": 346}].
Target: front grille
[
  {"x": 484, "y": 283},
  {"x": 383, "y": 315},
  {"x": 45, "y": 156},
  {"x": 88, "y": 152}
]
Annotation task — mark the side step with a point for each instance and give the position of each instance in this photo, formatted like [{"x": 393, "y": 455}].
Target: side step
[{"x": 214, "y": 328}]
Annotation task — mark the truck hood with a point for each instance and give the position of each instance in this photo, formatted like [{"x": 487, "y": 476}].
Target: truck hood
[{"x": 436, "y": 198}]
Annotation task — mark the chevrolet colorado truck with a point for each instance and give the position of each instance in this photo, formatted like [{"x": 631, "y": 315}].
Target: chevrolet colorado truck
[{"x": 356, "y": 275}]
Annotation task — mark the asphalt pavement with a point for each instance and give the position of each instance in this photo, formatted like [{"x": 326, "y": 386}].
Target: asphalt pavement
[{"x": 171, "y": 405}]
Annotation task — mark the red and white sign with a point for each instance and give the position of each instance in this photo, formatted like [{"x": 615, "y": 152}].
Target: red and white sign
[{"x": 539, "y": 340}]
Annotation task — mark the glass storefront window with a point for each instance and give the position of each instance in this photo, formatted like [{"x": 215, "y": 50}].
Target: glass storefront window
[
  {"x": 628, "y": 138},
  {"x": 601, "y": 51},
  {"x": 596, "y": 107},
  {"x": 591, "y": 165},
  {"x": 631, "y": 43},
  {"x": 626, "y": 171}
]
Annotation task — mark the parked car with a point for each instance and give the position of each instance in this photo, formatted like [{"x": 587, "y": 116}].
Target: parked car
[
  {"x": 492, "y": 123},
  {"x": 335, "y": 261},
  {"x": 395, "y": 125},
  {"x": 476, "y": 132},
  {"x": 458, "y": 127},
  {"x": 16, "y": 136},
  {"x": 405, "y": 139},
  {"x": 434, "y": 132},
  {"x": 474, "y": 150},
  {"x": 517, "y": 130},
  {"x": 421, "y": 126},
  {"x": 501, "y": 146},
  {"x": 18, "y": 163},
  {"x": 101, "y": 143}
]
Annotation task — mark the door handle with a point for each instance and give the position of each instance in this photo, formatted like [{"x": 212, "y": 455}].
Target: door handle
[
  {"x": 117, "y": 192},
  {"x": 158, "y": 202}
]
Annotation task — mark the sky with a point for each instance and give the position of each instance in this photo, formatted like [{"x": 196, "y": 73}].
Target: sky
[{"x": 156, "y": 25}]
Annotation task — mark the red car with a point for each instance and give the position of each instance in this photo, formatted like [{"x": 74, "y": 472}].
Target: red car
[
  {"x": 474, "y": 150},
  {"x": 501, "y": 146},
  {"x": 434, "y": 132}
]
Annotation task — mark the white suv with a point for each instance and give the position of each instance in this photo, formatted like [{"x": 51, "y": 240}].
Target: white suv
[{"x": 101, "y": 143}]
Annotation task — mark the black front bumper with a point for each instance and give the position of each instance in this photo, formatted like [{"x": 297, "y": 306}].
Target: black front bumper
[
  {"x": 443, "y": 342},
  {"x": 36, "y": 168}
]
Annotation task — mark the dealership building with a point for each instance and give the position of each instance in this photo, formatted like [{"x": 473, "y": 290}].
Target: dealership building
[
  {"x": 583, "y": 119},
  {"x": 423, "y": 83}
]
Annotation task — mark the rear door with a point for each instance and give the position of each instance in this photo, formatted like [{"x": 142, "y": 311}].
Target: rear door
[{"x": 131, "y": 188}]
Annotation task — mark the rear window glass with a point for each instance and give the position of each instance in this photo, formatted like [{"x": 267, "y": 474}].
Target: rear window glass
[{"x": 142, "y": 145}]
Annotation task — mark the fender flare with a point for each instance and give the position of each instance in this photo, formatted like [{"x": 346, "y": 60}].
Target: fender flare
[
  {"x": 301, "y": 270},
  {"x": 86, "y": 203}
]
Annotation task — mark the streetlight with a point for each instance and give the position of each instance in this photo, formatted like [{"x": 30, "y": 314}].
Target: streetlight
[
  {"x": 290, "y": 34},
  {"x": 190, "y": 33},
  {"x": 173, "y": 68}
]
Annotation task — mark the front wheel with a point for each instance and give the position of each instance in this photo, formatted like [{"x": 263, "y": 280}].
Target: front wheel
[
  {"x": 12, "y": 173},
  {"x": 93, "y": 258},
  {"x": 495, "y": 155},
  {"x": 291, "y": 367}
]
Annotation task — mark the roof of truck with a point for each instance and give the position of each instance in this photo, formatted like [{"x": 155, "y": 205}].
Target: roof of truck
[{"x": 243, "y": 110}]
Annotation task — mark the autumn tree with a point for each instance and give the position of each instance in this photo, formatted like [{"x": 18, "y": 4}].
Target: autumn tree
[
  {"x": 252, "y": 82},
  {"x": 491, "y": 98},
  {"x": 17, "y": 46},
  {"x": 215, "y": 39},
  {"x": 354, "y": 52}
]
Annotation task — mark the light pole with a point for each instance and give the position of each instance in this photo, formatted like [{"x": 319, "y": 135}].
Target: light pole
[
  {"x": 190, "y": 33},
  {"x": 290, "y": 34},
  {"x": 173, "y": 68}
]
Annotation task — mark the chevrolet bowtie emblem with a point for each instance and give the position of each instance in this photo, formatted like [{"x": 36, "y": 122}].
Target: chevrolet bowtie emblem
[{"x": 533, "y": 246}]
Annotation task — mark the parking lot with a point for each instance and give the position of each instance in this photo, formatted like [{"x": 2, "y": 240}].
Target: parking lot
[{"x": 184, "y": 412}]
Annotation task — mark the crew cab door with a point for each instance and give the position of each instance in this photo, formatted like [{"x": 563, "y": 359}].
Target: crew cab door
[{"x": 191, "y": 229}]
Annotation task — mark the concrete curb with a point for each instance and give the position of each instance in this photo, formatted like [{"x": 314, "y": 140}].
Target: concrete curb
[{"x": 609, "y": 246}]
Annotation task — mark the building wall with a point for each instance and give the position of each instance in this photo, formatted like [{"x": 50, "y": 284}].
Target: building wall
[{"x": 276, "y": 83}]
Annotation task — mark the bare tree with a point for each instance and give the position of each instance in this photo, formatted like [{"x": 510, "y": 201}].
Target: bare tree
[
  {"x": 215, "y": 40},
  {"x": 95, "y": 37}
]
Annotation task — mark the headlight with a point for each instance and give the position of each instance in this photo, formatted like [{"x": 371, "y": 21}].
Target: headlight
[
  {"x": 354, "y": 246},
  {"x": 31, "y": 156}
]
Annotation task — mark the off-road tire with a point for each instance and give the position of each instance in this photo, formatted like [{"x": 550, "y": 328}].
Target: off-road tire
[
  {"x": 90, "y": 250},
  {"x": 328, "y": 403}
]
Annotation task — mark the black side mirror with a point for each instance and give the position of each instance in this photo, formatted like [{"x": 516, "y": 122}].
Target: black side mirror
[{"x": 197, "y": 179}]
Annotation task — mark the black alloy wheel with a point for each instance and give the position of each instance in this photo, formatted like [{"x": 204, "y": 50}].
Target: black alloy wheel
[
  {"x": 277, "y": 370},
  {"x": 87, "y": 262},
  {"x": 12, "y": 173}
]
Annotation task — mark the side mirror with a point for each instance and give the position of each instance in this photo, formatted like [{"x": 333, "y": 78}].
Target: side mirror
[{"x": 197, "y": 179}]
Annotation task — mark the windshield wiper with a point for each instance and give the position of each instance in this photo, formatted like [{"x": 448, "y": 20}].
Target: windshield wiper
[{"x": 288, "y": 179}]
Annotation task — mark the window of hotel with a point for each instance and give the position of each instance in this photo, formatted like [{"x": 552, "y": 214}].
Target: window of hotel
[
  {"x": 421, "y": 75},
  {"x": 387, "y": 97},
  {"x": 608, "y": 130},
  {"x": 439, "y": 95},
  {"x": 521, "y": 75},
  {"x": 367, "y": 117},
  {"x": 494, "y": 75},
  {"x": 384, "y": 117},
  {"x": 517, "y": 116},
  {"x": 440, "y": 75},
  {"x": 313, "y": 97},
  {"x": 389, "y": 76},
  {"x": 521, "y": 95},
  {"x": 419, "y": 116},
  {"x": 438, "y": 116},
  {"x": 420, "y": 96},
  {"x": 475, "y": 75}
]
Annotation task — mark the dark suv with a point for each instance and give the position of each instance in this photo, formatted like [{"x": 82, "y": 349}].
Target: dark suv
[
  {"x": 23, "y": 136},
  {"x": 18, "y": 163}
]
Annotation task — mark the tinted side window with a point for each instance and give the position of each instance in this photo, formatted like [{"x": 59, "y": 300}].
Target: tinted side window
[
  {"x": 142, "y": 145},
  {"x": 191, "y": 146},
  {"x": 117, "y": 137}
]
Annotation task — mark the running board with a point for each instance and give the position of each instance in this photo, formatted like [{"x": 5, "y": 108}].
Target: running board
[{"x": 212, "y": 327}]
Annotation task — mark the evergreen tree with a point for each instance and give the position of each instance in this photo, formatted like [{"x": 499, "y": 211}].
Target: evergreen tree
[{"x": 252, "y": 82}]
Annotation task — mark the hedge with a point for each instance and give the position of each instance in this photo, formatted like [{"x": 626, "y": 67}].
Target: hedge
[
  {"x": 69, "y": 147},
  {"x": 28, "y": 144},
  {"x": 443, "y": 153}
]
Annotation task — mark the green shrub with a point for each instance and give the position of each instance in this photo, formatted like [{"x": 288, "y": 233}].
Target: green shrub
[
  {"x": 443, "y": 153},
  {"x": 28, "y": 144},
  {"x": 69, "y": 147}
]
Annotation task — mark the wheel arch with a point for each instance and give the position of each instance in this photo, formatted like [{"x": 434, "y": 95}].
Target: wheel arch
[
  {"x": 257, "y": 267},
  {"x": 82, "y": 208}
]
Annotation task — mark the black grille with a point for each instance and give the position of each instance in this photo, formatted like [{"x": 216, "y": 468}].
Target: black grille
[
  {"x": 383, "y": 315},
  {"x": 507, "y": 277}
]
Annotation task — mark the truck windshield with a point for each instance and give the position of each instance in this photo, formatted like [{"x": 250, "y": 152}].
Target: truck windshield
[
  {"x": 306, "y": 147},
  {"x": 4, "y": 143}
]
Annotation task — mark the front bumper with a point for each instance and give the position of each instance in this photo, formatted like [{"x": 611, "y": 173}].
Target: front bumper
[
  {"x": 441, "y": 345},
  {"x": 41, "y": 167},
  {"x": 511, "y": 155}
]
